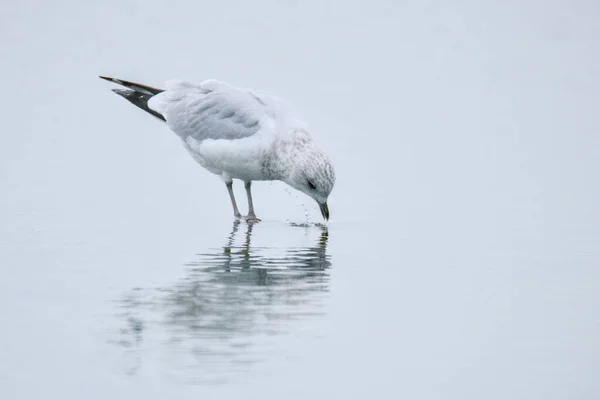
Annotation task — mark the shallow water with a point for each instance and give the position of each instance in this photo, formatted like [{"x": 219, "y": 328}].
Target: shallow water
[
  {"x": 461, "y": 260},
  {"x": 229, "y": 309}
]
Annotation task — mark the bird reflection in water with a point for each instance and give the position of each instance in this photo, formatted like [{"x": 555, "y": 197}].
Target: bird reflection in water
[{"x": 225, "y": 314}]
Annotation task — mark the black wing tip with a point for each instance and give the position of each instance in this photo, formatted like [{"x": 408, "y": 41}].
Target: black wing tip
[
  {"x": 118, "y": 81},
  {"x": 115, "y": 80},
  {"x": 138, "y": 87},
  {"x": 107, "y": 78}
]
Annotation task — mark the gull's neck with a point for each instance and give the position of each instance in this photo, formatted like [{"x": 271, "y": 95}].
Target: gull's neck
[{"x": 280, "y": 161}]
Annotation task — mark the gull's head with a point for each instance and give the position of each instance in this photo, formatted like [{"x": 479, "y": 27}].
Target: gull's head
[{"x": 313, "y": 174}]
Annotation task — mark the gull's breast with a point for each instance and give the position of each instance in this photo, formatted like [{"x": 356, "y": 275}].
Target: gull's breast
[{"x": 237, "y": 158}]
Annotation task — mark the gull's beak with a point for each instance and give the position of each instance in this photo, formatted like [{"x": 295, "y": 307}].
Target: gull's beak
[{"x": 324, "y": 211}]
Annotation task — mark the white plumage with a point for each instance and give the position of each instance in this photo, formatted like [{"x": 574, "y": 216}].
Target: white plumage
[{"x": 239, "y": 134}]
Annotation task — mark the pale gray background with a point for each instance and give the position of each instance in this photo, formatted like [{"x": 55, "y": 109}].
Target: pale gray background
[{"x": 463, "y": 250}]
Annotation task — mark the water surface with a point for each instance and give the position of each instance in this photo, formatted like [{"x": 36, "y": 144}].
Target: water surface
[
  {"x": 222, "y": 316},
  {"x": 461, "y": 261}
]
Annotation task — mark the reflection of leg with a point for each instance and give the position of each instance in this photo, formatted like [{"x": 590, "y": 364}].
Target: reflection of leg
[
  {"x": 227, "y": 248},
  {"x": 251, "y": 215},
  {"x": 245, "y": 249},
  {"x": 248, "y": 238},
  {"x": 236, "y": 212},
  {"x": 236, "y": 225}
]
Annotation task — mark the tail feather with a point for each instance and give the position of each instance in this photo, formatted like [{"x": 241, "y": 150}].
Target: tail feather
[{"x": 137, "y": 94}]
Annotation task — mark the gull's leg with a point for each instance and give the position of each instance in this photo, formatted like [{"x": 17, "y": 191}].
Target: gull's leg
[
  {"x": 251, "y": 215},
  {"x": 236, "y": 212}
]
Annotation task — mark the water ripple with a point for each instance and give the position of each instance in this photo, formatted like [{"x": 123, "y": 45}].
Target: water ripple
[{"x": 228, "y": 311}]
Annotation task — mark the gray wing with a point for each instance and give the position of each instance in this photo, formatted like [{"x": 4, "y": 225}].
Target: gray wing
[{"x": 223, "y": 113}]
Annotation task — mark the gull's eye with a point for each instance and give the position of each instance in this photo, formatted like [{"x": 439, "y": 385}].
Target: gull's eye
[{"x": 311, "y": 185}]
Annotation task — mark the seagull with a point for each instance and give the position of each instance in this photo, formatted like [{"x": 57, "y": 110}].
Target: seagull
[{"x": 238, "y": 133}]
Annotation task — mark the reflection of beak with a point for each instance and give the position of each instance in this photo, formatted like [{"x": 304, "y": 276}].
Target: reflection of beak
[{"x": 324, "y": 211}]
